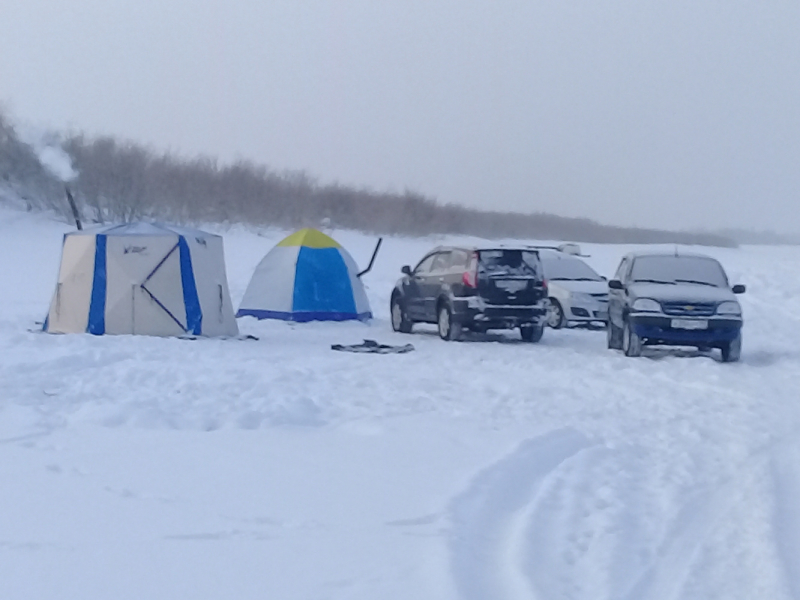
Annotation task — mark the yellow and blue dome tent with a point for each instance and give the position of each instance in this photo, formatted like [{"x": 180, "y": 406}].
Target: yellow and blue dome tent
[{"x": 307, "y": 277}]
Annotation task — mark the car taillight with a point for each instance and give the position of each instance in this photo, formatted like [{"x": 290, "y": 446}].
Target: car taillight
[
  {"x": 544, "y": 284},
  {"x": 470, "y": 277}
]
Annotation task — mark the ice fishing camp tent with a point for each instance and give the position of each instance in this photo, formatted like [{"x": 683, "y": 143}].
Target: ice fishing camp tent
[
  {"x": 307, "y": 277},
  {"x": 142, "y": 278}
]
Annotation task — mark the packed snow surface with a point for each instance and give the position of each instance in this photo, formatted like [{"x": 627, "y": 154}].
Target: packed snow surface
[{"x": 489, "y": 469}]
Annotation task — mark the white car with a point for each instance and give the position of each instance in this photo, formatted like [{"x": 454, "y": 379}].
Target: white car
[{"x": 578, "y": 296}]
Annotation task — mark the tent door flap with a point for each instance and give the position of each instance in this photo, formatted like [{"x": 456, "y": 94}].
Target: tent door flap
[{"x": 153, "y": 297}]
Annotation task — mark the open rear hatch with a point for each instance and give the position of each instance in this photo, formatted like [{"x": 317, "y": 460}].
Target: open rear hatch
[{"x": 510, "y": 277}]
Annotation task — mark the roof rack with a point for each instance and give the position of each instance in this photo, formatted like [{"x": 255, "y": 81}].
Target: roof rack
[{"x": 567, "y": 248}]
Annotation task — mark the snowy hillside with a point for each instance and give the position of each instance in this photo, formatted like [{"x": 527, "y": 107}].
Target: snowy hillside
[{"x": 156, "y": 468}]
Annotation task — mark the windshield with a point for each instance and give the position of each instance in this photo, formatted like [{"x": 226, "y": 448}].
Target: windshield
[
  {"x": 569, "y": 269},
  {"x": 679, "y": 269},
  {"x": 509, "y": 262}
]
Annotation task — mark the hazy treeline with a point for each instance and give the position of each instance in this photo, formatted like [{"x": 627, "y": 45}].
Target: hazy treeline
[
  {"x": 761, "y": 238},
  {"x": 123, "y": 181}
]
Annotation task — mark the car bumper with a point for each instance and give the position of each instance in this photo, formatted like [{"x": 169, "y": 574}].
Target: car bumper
[
  {"x": 490, "y": 316},
  {"x": 577, "y": 311},
  {"x": 659, "y": 330},
  {"x": 587, "y": 314}
]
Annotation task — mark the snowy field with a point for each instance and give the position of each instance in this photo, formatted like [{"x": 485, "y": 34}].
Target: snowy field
[{"x": 146, "y": 468}]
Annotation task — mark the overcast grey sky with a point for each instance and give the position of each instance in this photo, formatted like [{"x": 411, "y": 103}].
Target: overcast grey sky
[{"x": 656, "y": 113}]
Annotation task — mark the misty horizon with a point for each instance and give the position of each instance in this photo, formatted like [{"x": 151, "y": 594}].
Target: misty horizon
[{"x": 674, "y": 116}]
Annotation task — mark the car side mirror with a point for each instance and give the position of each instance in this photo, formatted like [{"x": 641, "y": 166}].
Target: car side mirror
[
  {"x": 406, "y": 270},
  {"x": 739, "y": 289},
  {"x": 615, "y": 284}
]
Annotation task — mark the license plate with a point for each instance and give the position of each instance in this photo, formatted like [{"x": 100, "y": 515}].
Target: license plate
[
  {"x": 689, "y": 324},
  {"x": 511, "y": 285}
]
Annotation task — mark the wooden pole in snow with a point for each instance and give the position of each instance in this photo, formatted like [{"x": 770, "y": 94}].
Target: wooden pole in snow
[{"x": 372, "y": 260}]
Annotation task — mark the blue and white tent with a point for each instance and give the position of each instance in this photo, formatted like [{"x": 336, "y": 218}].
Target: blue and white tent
[
  {"x": 142, "y": 278},
  {"x": 307, "y": 277}
]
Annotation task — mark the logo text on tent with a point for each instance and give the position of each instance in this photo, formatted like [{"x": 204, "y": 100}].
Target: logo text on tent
[{"x": 135, "y": 249}]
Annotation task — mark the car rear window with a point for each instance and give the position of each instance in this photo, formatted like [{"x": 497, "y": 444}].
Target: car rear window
[{"x": 509, "y": 263}]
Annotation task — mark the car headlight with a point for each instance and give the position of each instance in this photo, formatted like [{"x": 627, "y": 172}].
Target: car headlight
[
  {"x": 729, "y": 308},
  {"x": 646, "y": 305}
]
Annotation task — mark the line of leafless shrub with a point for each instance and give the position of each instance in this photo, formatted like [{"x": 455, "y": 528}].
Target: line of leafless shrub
[{"x": 124, "y": 181}]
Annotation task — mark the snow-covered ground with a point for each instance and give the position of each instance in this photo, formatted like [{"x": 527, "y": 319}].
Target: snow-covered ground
[{"x": 135, "y": 468}]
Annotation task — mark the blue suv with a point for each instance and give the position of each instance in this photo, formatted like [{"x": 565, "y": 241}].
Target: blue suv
[{"x": 674, "y": 300}]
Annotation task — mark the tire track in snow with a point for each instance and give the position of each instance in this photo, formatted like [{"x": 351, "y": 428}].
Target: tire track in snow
[
  {"x": 666, "y": 577},
  {"x": 510, "y": 514},
  {"x": 489, "y": 517},
  {"x": 583, "y": 535},
  {"x": 786, "y": 481}
]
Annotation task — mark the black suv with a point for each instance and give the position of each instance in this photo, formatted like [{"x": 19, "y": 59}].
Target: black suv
[
  {"x": 473, "y": 288},
  {"x": 674, "y": 300}
]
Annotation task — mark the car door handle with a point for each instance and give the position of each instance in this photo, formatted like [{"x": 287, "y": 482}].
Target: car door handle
[{"x": 441, "y": 278}]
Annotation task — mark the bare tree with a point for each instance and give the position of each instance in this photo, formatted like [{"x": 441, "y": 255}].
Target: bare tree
[{"x": 124, "y": 181}]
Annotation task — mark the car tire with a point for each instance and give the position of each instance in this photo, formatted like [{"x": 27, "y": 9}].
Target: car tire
[
  {"x": 555, "y": 315},
  {"x": 400, "y": 321},
  {"x": 631, "y": 343},
  {"x": 732, "y": 351},
  {"x": 613, "y": 336},
  {"x": 448, "y": 329},
  {"x": 531, "y": 333}
]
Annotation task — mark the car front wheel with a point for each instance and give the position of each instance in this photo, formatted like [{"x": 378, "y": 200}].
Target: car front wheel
[
  {"x": 555, "y": 315},
  {"x": 400, "y": 322},
  {"x": 448, "y": 329},
  {"x": 631, "y": 343},
  {"x": 531, "y": 333},
  {"x": 613, "y": 336},
  {"x": 732, "y": 351}
]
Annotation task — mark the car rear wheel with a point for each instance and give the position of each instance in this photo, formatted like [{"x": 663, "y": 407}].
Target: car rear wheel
[
  {"x": 555, "y": 315},
  {"x": 448, "y": 329},
  {"x": 613, "y": 336},
  {"x": 631, "y": 343},
  {"x": 400, "y": 322},
  {"x": 732, "y": 351},
  {"x": 531, "y": 333}
]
